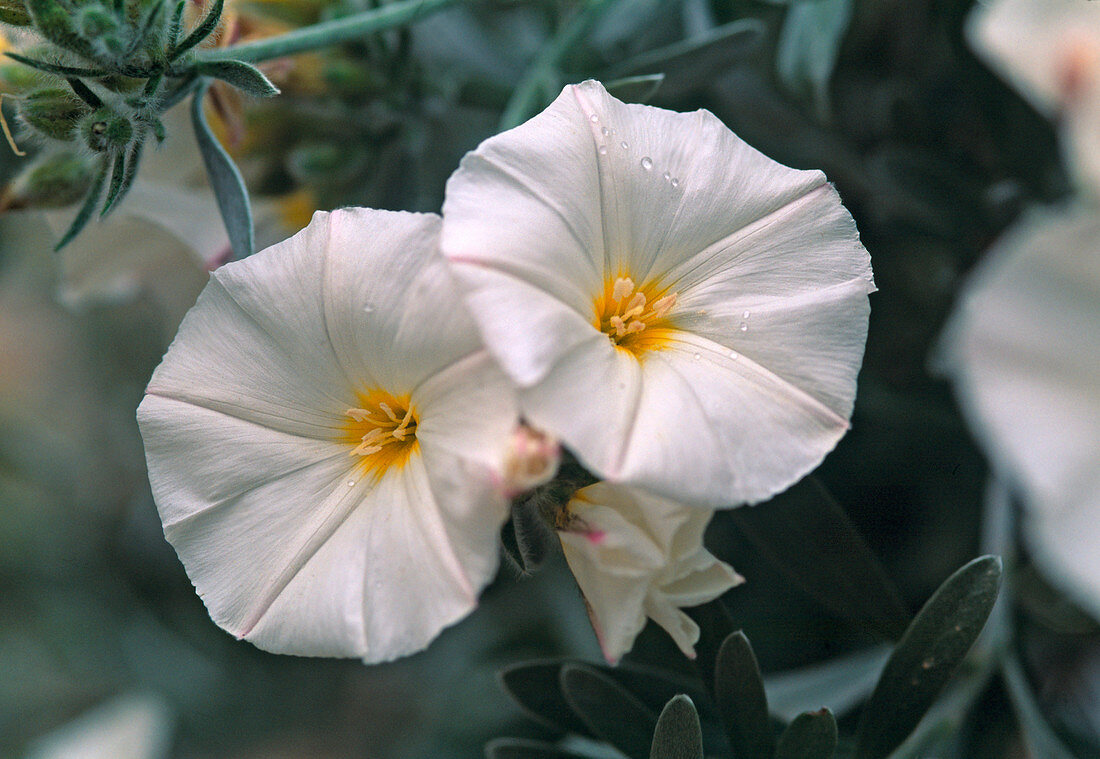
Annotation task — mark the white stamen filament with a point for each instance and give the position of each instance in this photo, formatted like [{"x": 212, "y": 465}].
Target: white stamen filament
[
  {"x": 378, "y": 437},
  {"x": 633, "y": 316}
]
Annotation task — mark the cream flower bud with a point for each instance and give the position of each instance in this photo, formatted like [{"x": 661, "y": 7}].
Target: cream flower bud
[{"x": 531, "y": 460}]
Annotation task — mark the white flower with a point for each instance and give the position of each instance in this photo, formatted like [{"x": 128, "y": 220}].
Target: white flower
[
  {"x": 637, "y": 555},
  {"x": 1050, "y": 51},
  {"x": 685, "y": 314},
  {"x": 323, "y": 437},
  {"x": 531, "y": 460},
  {"x": 1024, "y": 350}
]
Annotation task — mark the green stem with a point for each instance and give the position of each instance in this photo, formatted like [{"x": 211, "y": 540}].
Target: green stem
[
  {"x": 328, "y": 33},
  {"x": 543, "y": 70}
]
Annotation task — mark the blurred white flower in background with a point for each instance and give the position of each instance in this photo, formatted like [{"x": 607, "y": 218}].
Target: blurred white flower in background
[
  {"x": 637, "y": 555},
  {"x": 1024, "y": 350},
  {"x": 324, "y": 441},
  {"x": 685, "y": 314},
  {"x": 134, "y": 726},
  {"x": 1050, "y": 51}
]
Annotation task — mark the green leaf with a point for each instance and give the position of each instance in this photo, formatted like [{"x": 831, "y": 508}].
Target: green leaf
[
  {"x": 635, "y": 89},
  {"x": 806, "y": 534},
  {"x": 144, "y": 31},
  {"x": 812, "y": 735},
  {"x": 175, "y": 25},
  {"x": 739, "y": 692},
  {"x": 1038, "y": 735},
  {"x": 608, "y": 710},
  {"x": 678, "y": 734},
  {"x": 655, "y": 687},
  {"x": 927, "y": 655},
  {"x": 243, "y": 76},
  {"x": 84, "y": 215},
  {"x": 120, "y": 187},
  {"x": 229, "y": 189},
  {"x": 55, "y": 22},
  {"x": 205, "y": 28},
  {"x": 54, "y": 68},
  {"x": 808, "y": 47},
  {"x": 517, "y": 748},
  {"x": 535, "y": 686}
]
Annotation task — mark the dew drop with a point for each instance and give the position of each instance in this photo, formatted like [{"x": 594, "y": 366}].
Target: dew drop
[
  {"x": 744, "y": 314},
  {"x": 367, "y": 309},
  {"x": 593, "y": 118},
  {"x": 667, "y": 176},
  {"x": 647, "y": 163},
  {"x": 602, "y": 150},
  {"x": 674, "y": 182},
  {"x": 733, "y": 355},
  {"x": 697, "y": 356},
  {"x": 744, "y": 327},
  {"x": 351, "y": 483},
  {"x": 605, "y": 131},
  {"x": 624, "y": 145}
]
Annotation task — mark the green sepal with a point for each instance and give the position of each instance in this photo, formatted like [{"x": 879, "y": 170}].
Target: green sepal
[
  {"x": 52, "y": 111},
  {"x": 143, "y": 32},
  {"x": 84, "y": 215},
  {"x": 678, "y": 734},
  {"x": 243, "y": 76},
  {"x": 54, "y": 180},
  {"x": 739, "y": 694},
  {"x": 926, "y": 656},
  {"x": 811, "y": 735},
  {"x": 55, "y": 22},
  {"x": 122, "y": 178}
]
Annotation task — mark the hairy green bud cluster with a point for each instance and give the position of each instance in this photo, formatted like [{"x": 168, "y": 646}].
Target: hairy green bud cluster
[
  {"x": 104, "y": 130},
  {"x": 52, "y": 112},
  {"x": 54, "y": 180}
]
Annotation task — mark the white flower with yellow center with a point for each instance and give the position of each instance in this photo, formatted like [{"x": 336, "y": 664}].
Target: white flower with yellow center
[
  {"x": 1050, "y": 51},
  {"x": 323, "y": 439},
  {"x": 1024, "y": 350},
  {"x": 636, "y": 555},
  {"x": 685, "y": 314}
]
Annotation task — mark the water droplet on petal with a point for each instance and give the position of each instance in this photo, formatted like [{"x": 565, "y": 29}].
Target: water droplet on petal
[
  {"x": 624, "y": 145},
  {"x": 593, "y": 118},
  {"x": 351, "y": 483},
  {"x": 697, "y": 356},
  {"x": 674, "y": 182},
  {"x": 647, "y": 163},
  {"x": 733, "y": 355},
  {"x": 602, "y": 150},
  {"x": 605, "y": 131},
  {"x": 667, "y": 176},
  {"x": 745, "y": 315},
  {"x": 367, "y": 309},
  {"x": 744, "y": 327}
]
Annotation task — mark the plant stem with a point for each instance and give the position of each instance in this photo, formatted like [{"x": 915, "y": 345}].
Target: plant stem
[
  {"x": 328, "y": 33},
  {"x": 543, "y": 71}
]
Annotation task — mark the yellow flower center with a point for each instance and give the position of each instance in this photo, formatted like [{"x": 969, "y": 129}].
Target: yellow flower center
[
  {"x": 382, "y": 431},
  {"x": 634, "y": 318}
]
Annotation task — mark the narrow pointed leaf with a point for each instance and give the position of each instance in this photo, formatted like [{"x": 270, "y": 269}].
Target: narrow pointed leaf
[
  {"x": 116, "y": 194},
  {"x": 117, "y": 173},
  {"x": 54, "y": 68},
  {"x": 927, "y": 655},
  {"x": 806, "y": 534},
  {"x": 518, "y": 748},
  {"x": 55, "y": 22},
  {"x": 635, "y": 89},
  {"x": 175, "y": 25},
  {"x": 739, "y": 692},
  {"x": 243, "y": 76},
  {"x": 608, "y": 710},
  {"x": 678, "y": 734},
  {"x": 535, "y": 686},
  {"x": 84, "y": 215},
  {"x": 229, "y": 189},
  {"x": 84, "y": 92},
  {"x": 208, "y": 24},
  {"x": 812, "y": 735}
]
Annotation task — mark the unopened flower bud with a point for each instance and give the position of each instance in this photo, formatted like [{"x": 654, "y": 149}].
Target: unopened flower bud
[
  {"x": 532, "y": 460},
  {"x": 52, "y": 112},
  {"x": 14, "y": 12},
  {"x": 104, "y": 129},
  {"x": 54, "y": 180}
]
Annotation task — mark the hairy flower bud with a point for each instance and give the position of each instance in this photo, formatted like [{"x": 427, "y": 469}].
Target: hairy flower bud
[
  {"x": 52, "y": 111},
  {"x": 104, "y": 130},
  {"x": 53, "y": 180},
  {"x": 14, "y": 12}
]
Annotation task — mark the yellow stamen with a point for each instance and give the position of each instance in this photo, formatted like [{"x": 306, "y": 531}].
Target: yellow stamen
[
  {"x": 381, "y": 431},
  {"x": 635, "y": 319}
]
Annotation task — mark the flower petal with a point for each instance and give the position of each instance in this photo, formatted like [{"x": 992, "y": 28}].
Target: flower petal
[{"x": 1024, "y": 350}]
